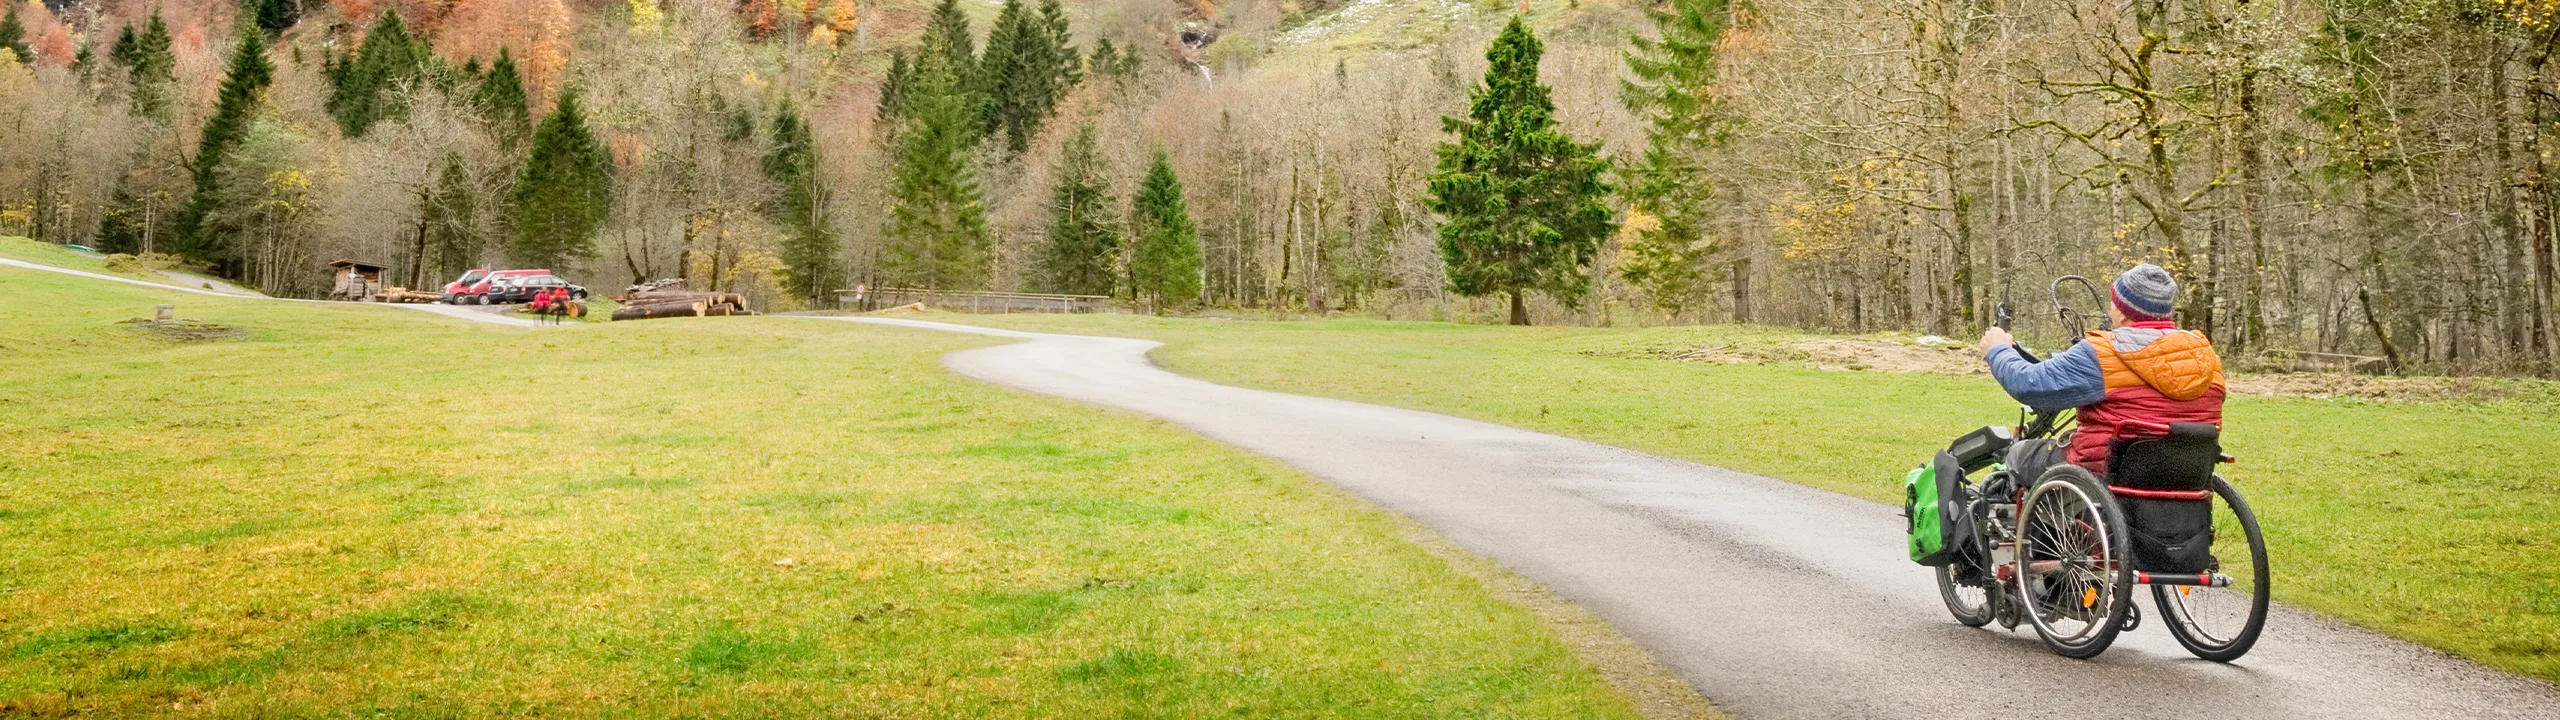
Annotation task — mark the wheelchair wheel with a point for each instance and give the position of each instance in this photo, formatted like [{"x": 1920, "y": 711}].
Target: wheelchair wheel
[
  {"x": 2220, "y": 624},
  {"x": 1967, "y": 593},
  {"x": 2073, "y": 577}
]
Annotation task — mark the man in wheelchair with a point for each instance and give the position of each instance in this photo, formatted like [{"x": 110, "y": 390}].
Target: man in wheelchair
[
  {"x": 2134, "y": 380},
  {"x": 2149, "y": 397}
]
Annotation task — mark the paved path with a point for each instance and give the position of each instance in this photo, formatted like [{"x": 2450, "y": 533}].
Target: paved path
[
  {"x": 445, "y": 310},
  {"x": 1773, "y": 599}
]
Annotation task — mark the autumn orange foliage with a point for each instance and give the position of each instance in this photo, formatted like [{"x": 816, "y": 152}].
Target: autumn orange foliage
[
  {"x": 536, "y": 32},
  {"x": 763, "y": 17}
]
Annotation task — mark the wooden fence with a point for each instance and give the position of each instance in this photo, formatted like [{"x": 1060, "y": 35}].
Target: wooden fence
[{"x": 973, "y": 301}]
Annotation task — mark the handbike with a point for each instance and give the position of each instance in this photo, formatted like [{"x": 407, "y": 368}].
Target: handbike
[{"x": 2054, "y": 545}]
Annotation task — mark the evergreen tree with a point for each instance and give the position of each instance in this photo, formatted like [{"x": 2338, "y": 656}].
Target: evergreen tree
[
  {"x": 127, "y": 50},
  {"x": 1065, "y": 66},
  {"x": 85, "y": 64},
  {"x": 362, "y": 86},
  {"x": 810, "y": 268},
  {"x": 277, "y": 16},
  {"x": 1004, "y": 73},
  {"x": 565, "y": 191},
  {"x": 947, "y": 35},
  {"x": 13, "y": 36},
  {"x": 154, "y": 69},
  {"x": 1521, "y": 202},
  {"x": 244, "y": 86},
  {"x": 1164, "y": 267},
  {"x": 937, "y": 234},
  {"x": 1106, "y": 57},
  {"x": 1082, "y": 248},
  {"x": 1027, "y": 70},
  {"x": 893, "y": 97},
  {"x": 503, "y": 102},
  {"x": 1674, "y": 92},
  {"x": 452, "y": 219}
]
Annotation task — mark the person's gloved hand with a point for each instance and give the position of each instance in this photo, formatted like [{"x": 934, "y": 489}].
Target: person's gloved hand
[{"x": 1993, "y": 338}]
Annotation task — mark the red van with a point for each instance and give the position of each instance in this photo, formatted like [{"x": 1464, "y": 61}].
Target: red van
[{"x": 473, "y": 287}]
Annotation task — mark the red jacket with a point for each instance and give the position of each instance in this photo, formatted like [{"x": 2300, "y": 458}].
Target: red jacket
[{"x": 2155, "y": 374}]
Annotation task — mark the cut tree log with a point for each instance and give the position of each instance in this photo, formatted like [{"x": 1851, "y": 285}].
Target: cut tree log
[{"x": 661, "y": 310}]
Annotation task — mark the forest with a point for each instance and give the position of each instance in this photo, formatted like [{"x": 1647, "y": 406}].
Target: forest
[{"x": 2338, "y": 183}]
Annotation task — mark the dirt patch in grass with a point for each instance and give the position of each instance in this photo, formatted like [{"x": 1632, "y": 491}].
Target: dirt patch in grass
[
  {"x": 1837, "y": 354},
  {"x": 185, "y": 330},
  {"x": 1943, "y": 357},
  {"x": 2400, "y": 389}
]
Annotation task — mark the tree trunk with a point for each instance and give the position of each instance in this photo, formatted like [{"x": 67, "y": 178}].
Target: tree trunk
[
  {"x": 1742, "y": 290},
  {"x": 2252, "y": 218},
  {"x": 2373, "y": 322},
  {"x": 1519, "y": 309}
]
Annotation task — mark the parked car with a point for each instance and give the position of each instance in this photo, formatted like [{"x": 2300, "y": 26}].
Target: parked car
[
  {"x": 473, "y": 287},
  {"x": 513, "y": 290}
]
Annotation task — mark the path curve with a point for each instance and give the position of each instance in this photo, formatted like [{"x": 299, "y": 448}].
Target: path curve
[
  {"x": 445, "y": 310},
  {"x": 1774, "y": 600}
]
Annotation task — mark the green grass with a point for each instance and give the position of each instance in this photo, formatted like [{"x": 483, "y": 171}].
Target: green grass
[
  {"x": 356, "y": 511},
  {"x": 2437, "y": 522},
  {"x": 18, "y": 248}
]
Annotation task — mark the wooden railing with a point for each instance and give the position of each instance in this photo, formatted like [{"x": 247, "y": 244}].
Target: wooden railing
[{"x": 973, "y": 301}]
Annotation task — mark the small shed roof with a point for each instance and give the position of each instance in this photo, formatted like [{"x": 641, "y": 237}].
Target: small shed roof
[{"x": 343, "y": 262}]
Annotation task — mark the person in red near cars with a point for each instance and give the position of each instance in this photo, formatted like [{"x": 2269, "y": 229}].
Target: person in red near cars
[{"x": 546, "y": 302}]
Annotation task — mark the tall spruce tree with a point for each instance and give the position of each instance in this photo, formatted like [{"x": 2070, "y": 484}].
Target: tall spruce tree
[
  {"x": 1674, "y": 91},
  {"x": 1066, "y": 66},
  {"x": 1522, "y": 204},
  {"x": 937, "y": 234},
  {"x": 128, "y": 48},
  {"x": 13, "y": 36},
  {"x": 244, "y": 87},
  {"x": 154, "y": 68},
  {"x": 893, "y": 98},
  {"x": 1083, "y": 249},
  {"x": 565, "y": 191},
  {"x": 1028, "y": 68},
  {"x": 277, "y": 16},
  {"x": 502, "y": 100},
  {"x": 810, "y": 268},
  {"x": 1004, "y": 72},
  {"x": 1164, "y": 267},
  {"x": 947, "y": 34},
  {"x": 363, "y": 85}
]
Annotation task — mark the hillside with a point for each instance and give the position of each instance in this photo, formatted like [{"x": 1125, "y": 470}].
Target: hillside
[{"x": 1860, "y": 166}]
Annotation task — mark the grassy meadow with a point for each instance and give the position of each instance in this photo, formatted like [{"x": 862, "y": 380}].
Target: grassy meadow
[
  {"x": 2438, "y": 522},
  {"x": 351, "y": 511}
]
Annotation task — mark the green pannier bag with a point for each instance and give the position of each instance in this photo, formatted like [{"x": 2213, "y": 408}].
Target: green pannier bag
[{"x": 1932, "y": 503}]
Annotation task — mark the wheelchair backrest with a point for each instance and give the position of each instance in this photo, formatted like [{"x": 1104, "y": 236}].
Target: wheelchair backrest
[{"x": 2182, "y": 459}]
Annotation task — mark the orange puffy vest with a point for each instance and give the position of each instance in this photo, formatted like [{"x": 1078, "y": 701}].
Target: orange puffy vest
[{"x": 2156, "y": 374}]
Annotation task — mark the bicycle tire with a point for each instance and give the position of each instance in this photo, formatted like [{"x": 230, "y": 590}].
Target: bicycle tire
[
  {"x": 2097, "y": 555},
  {"x": 2172, "y": 600}
]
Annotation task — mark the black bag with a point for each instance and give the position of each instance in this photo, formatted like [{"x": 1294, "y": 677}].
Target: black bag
[
  {"x": 2182, "y": 460},
  {"x": 2170, "y": 536}
]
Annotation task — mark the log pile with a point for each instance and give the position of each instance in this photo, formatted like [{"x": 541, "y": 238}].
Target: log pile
[
  {"x": 405, "y": 295},
  {"x": 666, "y": 305},
  {"x": 668, "y": 298}
]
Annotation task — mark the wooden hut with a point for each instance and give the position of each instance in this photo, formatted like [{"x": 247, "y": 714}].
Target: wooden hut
[{"x": 356, "y": 281}]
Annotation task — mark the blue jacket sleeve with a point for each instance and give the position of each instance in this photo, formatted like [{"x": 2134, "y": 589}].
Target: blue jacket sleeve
[{"x": 2064, "y": 382}]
